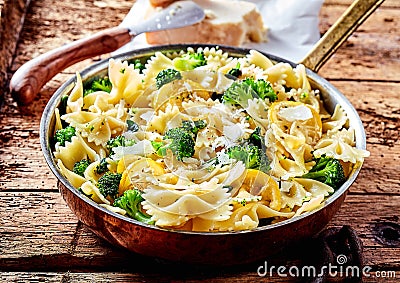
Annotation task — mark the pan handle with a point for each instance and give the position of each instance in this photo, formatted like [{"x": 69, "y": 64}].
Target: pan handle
[
  {"x": 338, "y": 33},
  {"x": 30, "y": 77}
]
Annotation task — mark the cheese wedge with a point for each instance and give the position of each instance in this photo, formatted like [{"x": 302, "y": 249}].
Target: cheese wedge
[{"x": 227, "y": 22}]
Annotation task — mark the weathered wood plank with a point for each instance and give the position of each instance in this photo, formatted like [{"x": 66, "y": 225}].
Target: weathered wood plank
[
  {"x": 33, "y": 235},
  {"x": 37, "y": 228},
  {"x": 382, "y": 19},
  {"x": 53, "y": 23},
  {"x": 379, "y": 110},
  {"x": 130, "y": 277},
  {"x": 127, "y": 277},
  {"x": 12, "y": 15},
  {"x": 371, "y": 53},
  {"x": 370, "y": 41}
]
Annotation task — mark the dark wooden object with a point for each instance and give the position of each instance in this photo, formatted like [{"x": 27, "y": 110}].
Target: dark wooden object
[{"x": 41, "y": 240}]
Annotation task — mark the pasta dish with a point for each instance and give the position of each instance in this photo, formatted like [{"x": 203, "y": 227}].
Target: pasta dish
[{"x": 199, "y": 140}]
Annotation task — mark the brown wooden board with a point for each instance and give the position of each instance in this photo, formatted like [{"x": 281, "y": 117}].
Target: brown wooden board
[
  {"x": 11, "y": 21},
  {"x": 371, "y": 53}
]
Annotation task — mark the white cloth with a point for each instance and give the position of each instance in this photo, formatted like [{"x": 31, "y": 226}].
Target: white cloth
[{"x": 292, "y": 27}]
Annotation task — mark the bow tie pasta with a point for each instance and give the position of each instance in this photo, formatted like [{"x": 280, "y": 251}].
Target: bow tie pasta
[{"x": 198, "y": 140}]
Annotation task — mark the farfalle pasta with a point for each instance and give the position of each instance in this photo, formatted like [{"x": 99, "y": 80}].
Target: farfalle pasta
[{"x": 198, "y": 140}]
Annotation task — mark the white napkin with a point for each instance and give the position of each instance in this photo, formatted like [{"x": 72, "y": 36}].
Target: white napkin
[{"x": 292, "y": 27}]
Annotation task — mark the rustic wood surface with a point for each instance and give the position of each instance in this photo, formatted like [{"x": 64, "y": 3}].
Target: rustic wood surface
[
  {"x": 12, "y": 18},
  {"x": 42, "y": 241}
]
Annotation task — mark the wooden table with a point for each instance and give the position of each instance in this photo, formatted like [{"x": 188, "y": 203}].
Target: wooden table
[{"x": 40, "y": 238}]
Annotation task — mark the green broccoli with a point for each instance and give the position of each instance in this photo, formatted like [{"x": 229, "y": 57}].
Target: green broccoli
[
  {"x": 327, "y": 170},
  {"x": 80, "y": 166},
  {"x": 118, "y": 141},
  {"x": 189, "y": 61},
  {"x": 181, "y": 143},
  {"x": 108, "y": 184},
  {"x": 262, "y": 88},
  {"x": 102, "y": 167},
  {"x": 63, "y": 135},
  {"x": 130, "y": 202},
  {"x": 166, "y": 76},
  {"x": 101, "y": 84},
  {"x": 252, "y": 156},
  {"x": 239, "y": 93},
  {"x": 194, "y": 126}
]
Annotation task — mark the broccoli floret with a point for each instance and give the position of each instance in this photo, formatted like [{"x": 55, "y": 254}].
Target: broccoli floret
[
  {"x": 234, "y": 73},
  {"x": 252, "y": 157},
  {"x": 181, "y": 143},
  {"x": 102, "y": 167},
  {"x": 108, "y": 184},
  {"x": 101, "y": 84},
  {"x": 80, "y": 166},
  {"x": 194, "y": 126},
  {"x": 63, "y": 135},
  {"x": 166, "y": 76},
  {"x": 118, "y": 141},
  {"x": 130, "y": 202},
  {"x": 239, "y": 153},
  {"x": 189, "y": 61},
  {"x": 239, "y": 93},
  {"x": 262, "y": 88},
  {"x": 327, "y": 170}
]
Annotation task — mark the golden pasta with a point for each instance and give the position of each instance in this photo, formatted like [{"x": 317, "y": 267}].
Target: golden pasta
[{"x": 209, "y": 142}]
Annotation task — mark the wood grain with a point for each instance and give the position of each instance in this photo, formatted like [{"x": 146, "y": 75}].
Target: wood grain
[
  {"x": 44, "y": 227},
  {"x": 12, "y": 19},
  {"x": 338, "y": 33},
  {"x": 371, "y": 53},
  {"x": 131, "y": 277}
]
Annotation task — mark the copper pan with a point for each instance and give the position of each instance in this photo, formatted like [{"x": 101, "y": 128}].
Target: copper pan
[{"x": 224, "y": 248}]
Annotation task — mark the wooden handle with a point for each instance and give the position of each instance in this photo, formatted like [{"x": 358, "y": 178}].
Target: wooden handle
[
  {"x": 33, "y": 75},
  {"x": 352, "y": 18}
]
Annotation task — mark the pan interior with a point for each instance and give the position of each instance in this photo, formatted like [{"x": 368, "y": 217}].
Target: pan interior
[{"x": 330, "y": 95}]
